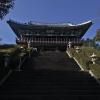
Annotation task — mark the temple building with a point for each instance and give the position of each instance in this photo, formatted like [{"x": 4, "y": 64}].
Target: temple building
[{"x": 48, "y": 35}]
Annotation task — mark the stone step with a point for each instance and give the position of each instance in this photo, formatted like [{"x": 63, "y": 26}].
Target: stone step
[
  {"x": 49, "y": 97},
  {"x": 44, "y": 83},
  {"x": 55, "y": 91}
]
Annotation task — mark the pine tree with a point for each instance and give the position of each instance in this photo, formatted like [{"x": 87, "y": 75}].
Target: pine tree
[{"x": 5, "y": 5}]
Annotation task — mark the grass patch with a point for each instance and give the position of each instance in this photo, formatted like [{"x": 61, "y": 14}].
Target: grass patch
[{"x": 83, "y": 57}]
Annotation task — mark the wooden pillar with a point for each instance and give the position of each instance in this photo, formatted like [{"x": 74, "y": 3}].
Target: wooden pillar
[
  {"x": 37, "y": 39},
  {"x": 56, "y": 39},
  {"x": 40, "y": 39},
  {"x": 43, "y": 39},
  {"x": 26, "y": 38},
  {"x": 65, "y": 40},
  {"x": 47, "y": 40},
  {"x": 74, "y": 39},
  {"x": 51, "y": 39},
  {"x": 77, "y": 39},
  {"x": 34, "y": 39},
  {"x": 60, "y": 40}
]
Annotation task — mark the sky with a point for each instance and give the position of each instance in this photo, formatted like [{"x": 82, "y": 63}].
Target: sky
[{"x": 52, "y": 11}]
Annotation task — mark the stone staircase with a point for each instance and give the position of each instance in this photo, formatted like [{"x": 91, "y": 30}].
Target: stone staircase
[
  {"x": 45, "y": 84},
  {"x": 54, "y": 60}
]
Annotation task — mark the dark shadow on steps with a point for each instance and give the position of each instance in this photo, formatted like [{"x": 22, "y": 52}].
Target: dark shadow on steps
[
  {"x": 54, "y": 60},
  {"x": 49, "y": 83},
  {"x": 64, "y": 82}
]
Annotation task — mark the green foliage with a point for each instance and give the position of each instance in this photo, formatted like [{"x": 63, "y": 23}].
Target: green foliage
[
  {"x": 89, "y": 42},
  {"x": 5, "y": 5},
  {"x": 83, "y": 57},
  {"x": 97, "y": 37},
  {"x": 14, "y": 52}
]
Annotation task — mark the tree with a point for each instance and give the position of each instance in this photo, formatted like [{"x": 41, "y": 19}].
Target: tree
[
  {"x": 89, "y": 42},
  {"x": 5, "y": 5},
  {"x": 97, "y": 37}
]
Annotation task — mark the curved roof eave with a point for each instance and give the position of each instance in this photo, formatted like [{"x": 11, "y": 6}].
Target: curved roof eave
[{"x": 50, "y": 25}]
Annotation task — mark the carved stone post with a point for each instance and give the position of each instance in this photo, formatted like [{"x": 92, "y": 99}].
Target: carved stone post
[
  {"x": 78, "y": 49},
  {"x": 69, "y": 44},
  {"x": 93, "y": 58}
]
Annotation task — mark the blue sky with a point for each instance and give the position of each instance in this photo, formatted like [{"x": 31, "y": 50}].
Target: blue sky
[{"x": 52, "y": 11}]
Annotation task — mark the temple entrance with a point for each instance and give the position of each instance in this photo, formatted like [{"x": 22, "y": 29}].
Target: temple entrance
[{"x": 49, "y": 36}]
